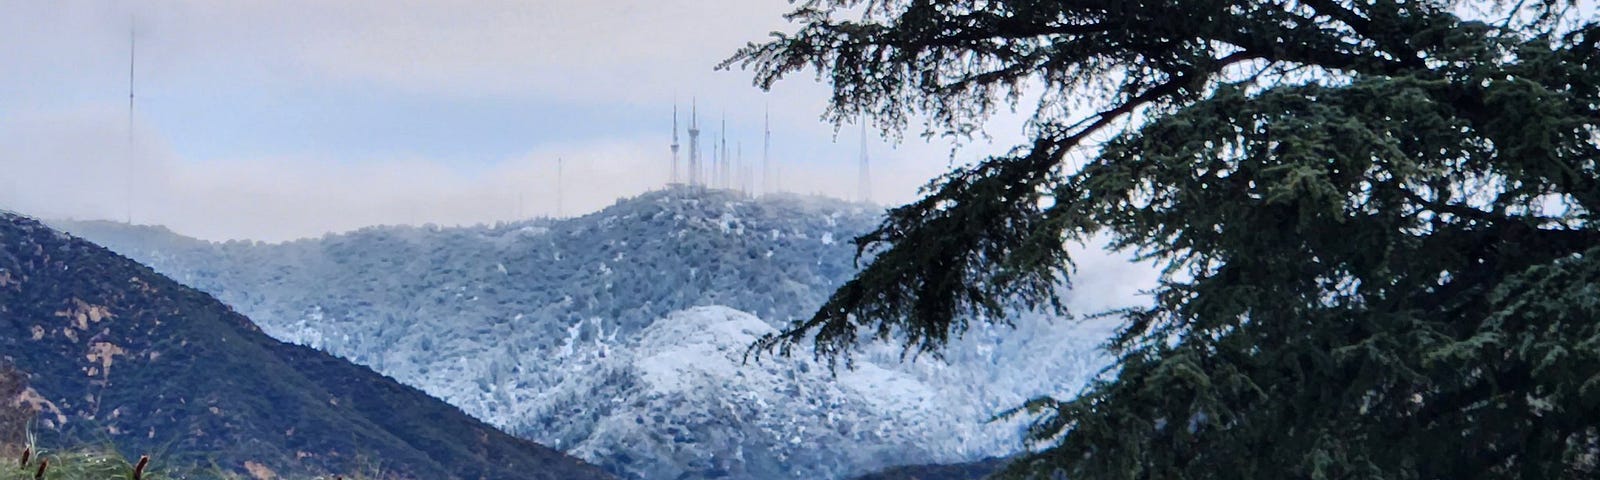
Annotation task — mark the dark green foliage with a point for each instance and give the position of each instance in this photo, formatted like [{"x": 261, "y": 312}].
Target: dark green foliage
[
  {"x": 1376, "y": 221},
  {"x": 129, "y": 358}
]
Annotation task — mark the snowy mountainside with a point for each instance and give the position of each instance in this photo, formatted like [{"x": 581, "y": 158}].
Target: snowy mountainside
[
  {"x": 682, "y": 401},
  {"x": 563, "y": 331},
  {"x": 383, "y": 295}
]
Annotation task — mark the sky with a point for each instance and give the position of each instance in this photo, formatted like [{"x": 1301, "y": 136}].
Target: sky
[{"x": 275, "y": 120}]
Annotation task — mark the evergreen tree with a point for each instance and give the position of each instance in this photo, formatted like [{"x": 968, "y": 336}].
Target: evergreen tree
[{"x": 1376, "y": 220}]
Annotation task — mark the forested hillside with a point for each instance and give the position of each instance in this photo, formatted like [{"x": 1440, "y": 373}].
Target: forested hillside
[
  {"x": 117, "y": 353},
  {"x": 550, "y": 328}
]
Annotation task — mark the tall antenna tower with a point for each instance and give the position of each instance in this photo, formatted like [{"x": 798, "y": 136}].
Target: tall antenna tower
[
  {"x": 766, "y": 152},
  {"x": 694, "y": 144},
  {"x": 127, "y": 178},
  {"x": 864, "y": 188},
  {"x": 672, "y": 178},
  {"x": 738, "y": 167},
  {"x": 722, "y": 172},
  {"x": 559, "y": 191}
]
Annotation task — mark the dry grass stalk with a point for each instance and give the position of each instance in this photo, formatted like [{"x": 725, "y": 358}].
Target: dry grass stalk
[{"x": 138, "y": 471}]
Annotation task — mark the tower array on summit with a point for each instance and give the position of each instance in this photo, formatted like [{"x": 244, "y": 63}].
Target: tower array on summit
[{"x": 726, "y": 168}]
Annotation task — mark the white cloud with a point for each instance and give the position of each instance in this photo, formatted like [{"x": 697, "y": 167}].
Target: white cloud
[
  {"x": 78, "y": 166},
  {"x": 595, "y": 50}
]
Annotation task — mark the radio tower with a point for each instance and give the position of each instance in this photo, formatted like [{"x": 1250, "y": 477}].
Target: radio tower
[
  {"x": 864, "y": 189},
  {"x": 694, "y": 144},
  {"x": 722, "y": 173},
  {"x": 127, "y": 179},
  {"x": 766, "y": 152},
  {"x": 672, "y": 178}
]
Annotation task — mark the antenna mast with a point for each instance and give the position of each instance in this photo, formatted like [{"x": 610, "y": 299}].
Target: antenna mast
[
  {"x": 694, "y": 143},
  {"x": 558, "y": 186},
  {"x": 127, "y": 178},
  {"x": 673, "y": 177},
  {"x": 722, "y": 170},
  {"x": 766, "y": 152}
]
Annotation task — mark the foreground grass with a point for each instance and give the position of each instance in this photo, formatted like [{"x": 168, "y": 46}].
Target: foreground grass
[
  {"x": 83, "y": 464},
  {"x": 103, "y": 464}
]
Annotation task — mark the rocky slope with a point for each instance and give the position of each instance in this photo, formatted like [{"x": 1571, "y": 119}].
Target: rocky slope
[{"x": 118, "y": 353}]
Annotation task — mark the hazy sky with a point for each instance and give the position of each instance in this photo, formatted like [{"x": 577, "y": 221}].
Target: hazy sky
[{"x": 281, "y": 119}]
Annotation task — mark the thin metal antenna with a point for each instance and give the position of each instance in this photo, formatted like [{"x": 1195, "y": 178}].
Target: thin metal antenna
[
  {"x": 127, "y": 178},
  {"x": 694, "y": 142},
  {"x": 672, "y": 178},
  {"x": 559, "y": 191},
  {"x": 713, "y": 175},
  {"x": 766, "y": 151},
  {"x": 722, "y": 170}
]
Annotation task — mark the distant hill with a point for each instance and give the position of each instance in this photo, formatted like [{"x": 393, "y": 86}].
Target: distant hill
[
  {"x": 961, "y": 471},
  {"x": 551, "y": 328},
  {"x": 118, "y": 353},
  {"x": 379, "y": 294},
  {"x": 474, "y": 314}
]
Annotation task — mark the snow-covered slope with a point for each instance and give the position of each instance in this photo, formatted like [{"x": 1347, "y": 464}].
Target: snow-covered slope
[
  {"x": 681, "y": 401},
  {"x": 593, "y": 334}
]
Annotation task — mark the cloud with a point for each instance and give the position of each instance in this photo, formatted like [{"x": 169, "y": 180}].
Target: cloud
[
  {"x": 81, "y": 164},
  {"x": 77, "y": 165},
  {"x": 597, "y": 50},
  {"x": 594, "y": 49},
  {"x": 224, "y": 151}
]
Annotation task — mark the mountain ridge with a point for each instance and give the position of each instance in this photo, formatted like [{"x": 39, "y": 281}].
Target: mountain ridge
[
  {"x": 116, "y": 352},
  {"x": 539, "y": 327}
]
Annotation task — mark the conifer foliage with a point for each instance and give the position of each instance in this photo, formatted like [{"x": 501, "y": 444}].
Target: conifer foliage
[{"x": 1376, "y": 219}]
